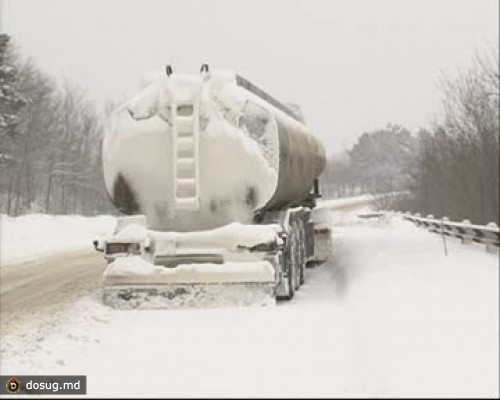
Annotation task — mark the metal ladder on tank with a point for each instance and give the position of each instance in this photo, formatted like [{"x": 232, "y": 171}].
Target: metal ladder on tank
[{"x": 185, "y": 119}]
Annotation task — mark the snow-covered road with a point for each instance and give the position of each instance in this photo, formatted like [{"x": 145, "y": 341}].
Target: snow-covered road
[
  {"x": 46, "y": 285},
  {"x": 389, "y": 315}
]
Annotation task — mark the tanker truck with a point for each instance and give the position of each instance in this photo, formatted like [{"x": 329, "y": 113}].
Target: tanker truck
[{"x": 218, "y": 183}]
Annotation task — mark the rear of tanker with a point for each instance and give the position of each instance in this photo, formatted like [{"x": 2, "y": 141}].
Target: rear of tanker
[{"x": 218, "y": 182}]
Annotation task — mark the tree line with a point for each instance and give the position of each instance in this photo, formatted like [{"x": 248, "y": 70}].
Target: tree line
[
  {"x": 451, "y": 170},
  {"x": 50, "y": 142},
  {"x": 51, "y": 138},
  {"x": 379, "y": 162}
]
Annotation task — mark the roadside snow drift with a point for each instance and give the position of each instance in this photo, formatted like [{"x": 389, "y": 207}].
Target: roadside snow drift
[{"x": 38, "y": 234}]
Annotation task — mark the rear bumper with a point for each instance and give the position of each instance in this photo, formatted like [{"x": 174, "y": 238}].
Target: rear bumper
[{"x": 198, "y": 295}]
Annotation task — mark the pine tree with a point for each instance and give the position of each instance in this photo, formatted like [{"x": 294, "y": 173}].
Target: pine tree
[{"x": 11, "y": 101}]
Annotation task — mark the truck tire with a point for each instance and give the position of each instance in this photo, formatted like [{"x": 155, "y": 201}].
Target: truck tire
[
  {"x": 295, "y": 247},
  {"x": 302, "y": 252},
  {"x": 288, "y": 260}
]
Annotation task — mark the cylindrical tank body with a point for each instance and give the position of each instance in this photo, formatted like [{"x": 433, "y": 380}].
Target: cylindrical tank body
[{"x": 252, "y": 152}]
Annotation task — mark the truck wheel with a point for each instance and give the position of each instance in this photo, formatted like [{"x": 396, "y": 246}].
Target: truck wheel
[
  {"x": 296, "y": 255},
  {"x": 302, "y": 252},
  {"x": 291, "y": 258},
  {"x": 290, "y": 271},
  {"x": 291, "y": 280}
]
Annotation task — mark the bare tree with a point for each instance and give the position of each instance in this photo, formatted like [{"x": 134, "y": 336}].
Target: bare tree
[
  {"x": 55, "y": 155},
  {"x": 458, "y": 174}
]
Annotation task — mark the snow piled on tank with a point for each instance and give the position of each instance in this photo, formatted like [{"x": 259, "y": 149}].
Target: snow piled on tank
[
  {"x": 138, "y": 151},
  {"x": 236, "y": 154},
  {"x": 236, "y": 175},
  {"x": 250, "y": 116}
]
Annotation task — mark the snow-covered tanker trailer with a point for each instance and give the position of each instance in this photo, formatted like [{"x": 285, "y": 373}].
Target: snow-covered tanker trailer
[{"x": 219, "y": 183}]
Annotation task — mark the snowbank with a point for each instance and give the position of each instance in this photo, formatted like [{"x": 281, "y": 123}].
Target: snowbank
[{"x": 38, "y": 234}]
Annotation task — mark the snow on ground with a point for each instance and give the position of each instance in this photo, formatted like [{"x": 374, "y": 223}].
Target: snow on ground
[
  {"x": 39, "y": 234},
  {"x": 390, "y": 315}
]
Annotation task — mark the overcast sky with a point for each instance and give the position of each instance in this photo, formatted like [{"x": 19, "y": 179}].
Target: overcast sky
[{"x": 351, "y": 65}]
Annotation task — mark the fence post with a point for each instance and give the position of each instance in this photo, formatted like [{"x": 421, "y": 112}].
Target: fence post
[
  {"x": 490, "y": 247},
  {"x": 466, "y": 240},
  {"x": 444, "y": 237}
]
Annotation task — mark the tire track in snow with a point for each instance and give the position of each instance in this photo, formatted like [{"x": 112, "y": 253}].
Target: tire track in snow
[{"x": 45, "y": 286}]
